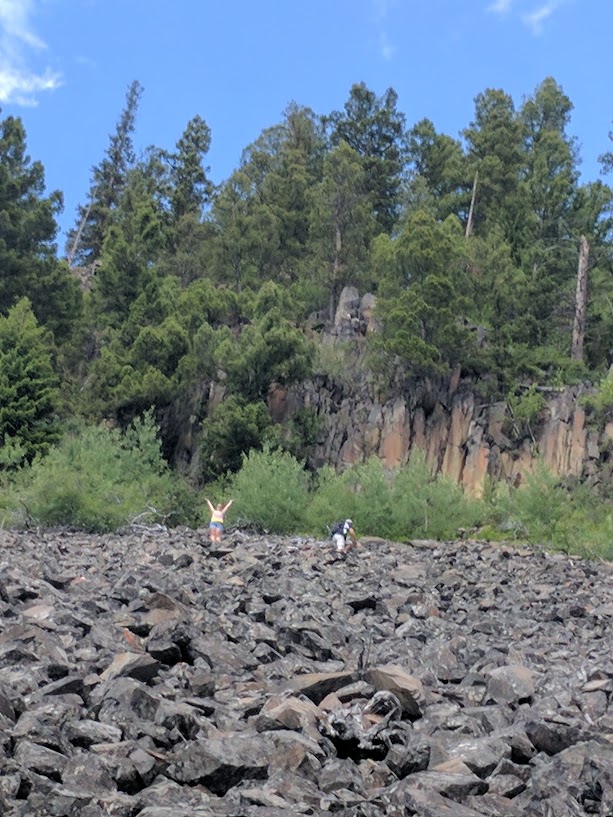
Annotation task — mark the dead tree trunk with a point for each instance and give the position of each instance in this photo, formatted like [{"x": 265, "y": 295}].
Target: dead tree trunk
[
  {"x": 576, "y": 351},
  {"x": 77, "y": 240},
  {"x": 471, "y": 212},
  {"x": 336, "y": 268}
]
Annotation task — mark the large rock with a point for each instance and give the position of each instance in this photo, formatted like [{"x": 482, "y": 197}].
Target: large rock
[{"x": 154, "y": 675}]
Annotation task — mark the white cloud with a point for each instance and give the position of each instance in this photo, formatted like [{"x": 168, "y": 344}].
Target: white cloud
[
  {"x": 535, "y": 19},
  {"x": 500, "y": 6},
  {"x": 382, "y": 9},
  {"x": 387, "y": 50},
  {"x": 20, "y": 82}
]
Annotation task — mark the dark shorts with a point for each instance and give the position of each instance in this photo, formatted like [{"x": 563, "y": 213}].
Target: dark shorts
[{"x": 216, "y": 525}]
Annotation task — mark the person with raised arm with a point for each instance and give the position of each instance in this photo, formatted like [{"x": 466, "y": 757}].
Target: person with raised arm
[{"x": 217, "y": 517}]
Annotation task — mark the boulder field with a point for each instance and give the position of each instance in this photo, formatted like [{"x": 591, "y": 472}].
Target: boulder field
[{"x": 153, "y": 674}]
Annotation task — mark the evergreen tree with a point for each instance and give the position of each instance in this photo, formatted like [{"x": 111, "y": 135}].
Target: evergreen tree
[
  {"x": 84, "y": 244},
  {"x": 28, "y": 262},
  {"x": 132, "y": 246},
  {"x": 438, "y": 170},
  {"x": 375, "y": 129},
  {"x": 247, "y": 238},
  {"x": 263, "y": 213},
  {"x": 423, "y": 295},
  {"x": 191, "y": 189},
  {"x": 29, "y": 395},
  {"x": 495, "y": 152},
  {"x": 552, "y": 230},
  {"x": 343, "y": 222}
]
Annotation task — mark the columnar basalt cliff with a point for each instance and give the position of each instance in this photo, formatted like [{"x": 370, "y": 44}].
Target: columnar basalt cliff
[{"x": 460, "y": 434}]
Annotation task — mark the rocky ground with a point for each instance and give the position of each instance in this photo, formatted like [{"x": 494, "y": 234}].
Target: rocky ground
[{"x": 149, "y": 674}]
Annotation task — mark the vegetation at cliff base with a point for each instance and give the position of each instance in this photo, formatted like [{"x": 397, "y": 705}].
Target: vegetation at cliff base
[{"x": 184, "y": 312}]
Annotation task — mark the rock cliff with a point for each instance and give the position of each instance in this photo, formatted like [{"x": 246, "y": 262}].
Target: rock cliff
[{"x": 460, "y": 434}]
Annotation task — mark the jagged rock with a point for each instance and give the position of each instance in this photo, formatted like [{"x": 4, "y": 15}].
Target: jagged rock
[
  {"x": 402, "y": 684},
  {"x": 129, "y": 665},
  {"x": 220, "y": 764},
  {"x": 510, "y": 684},
  {"x": 458, "y": 678}
]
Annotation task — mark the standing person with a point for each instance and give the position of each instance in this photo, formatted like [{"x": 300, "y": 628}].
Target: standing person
[
  {"x": 217, "y": 517},
  {"x": 341, "y": 533}
]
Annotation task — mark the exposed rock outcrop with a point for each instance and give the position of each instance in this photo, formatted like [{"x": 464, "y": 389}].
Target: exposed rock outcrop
[
  {"x": 462, "y": 436},
  {"x": 155, "y": 675},
  {"x": 459, "y": 435}
]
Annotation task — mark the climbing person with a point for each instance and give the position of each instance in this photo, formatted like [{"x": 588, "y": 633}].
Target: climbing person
[
  {"x": 343, "y": 536},
  {"x": 217, "y": 517}
]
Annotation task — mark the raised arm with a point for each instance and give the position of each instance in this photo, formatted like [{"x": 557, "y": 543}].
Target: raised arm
[
  {"x": 208, "y": 502},
  {"x": 227, "y": 506}
]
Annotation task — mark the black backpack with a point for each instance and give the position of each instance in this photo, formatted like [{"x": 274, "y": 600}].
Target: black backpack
[{"x": 337, "y": 528}]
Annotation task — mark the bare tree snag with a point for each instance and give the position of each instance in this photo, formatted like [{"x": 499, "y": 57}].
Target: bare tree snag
[
  {"x": 77, "y": 240},
  {"x": 336, "y": 267},
  {"x": 578, "y": 340},
  {"x": 471, "y": 212}
]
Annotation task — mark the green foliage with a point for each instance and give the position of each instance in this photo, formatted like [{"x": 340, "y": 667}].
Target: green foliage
[
  {"x": 603, "y": 399},
  {"x": 231, "y": 430},
  {"x": 423, "y": 295},
  {"x": 27, "y": 230},
  {"x": 408, "y": 503},
  {"x": 271, "y": 490},
  {"x": 374, "y": 128},
  {"x": 526, "y": 409},
  {"x": 97, "y": 479},
  {"x": 427, "y": 507},
  {"x": 270, "y": 350},
  {"x": 297, "y": 435},
  {"x": 29, "y": 396},
  {"x": 108, "y": 181},
  {"x": 343, "y": 221}
]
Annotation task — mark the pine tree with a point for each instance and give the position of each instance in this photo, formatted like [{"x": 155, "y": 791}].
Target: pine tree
[
  {"x": 28, "y": 262},
  {"x": 191, "y": 189},
  {"x": 375, "y": 129},
  {"x": 84, "y": 243},
  {"x": 438, "y": 171},
  {"x": 495, "y": 152},
  {"x": 343, "y": 222},
  {"x": 29, "y": 395}
]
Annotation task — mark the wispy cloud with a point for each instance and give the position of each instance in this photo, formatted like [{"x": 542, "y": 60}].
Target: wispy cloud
[
  {"x": 382, "y": 9},
  {"x": 20, "y": 81},
  {"x": 536, "y": 18},
  {"x": 500, "y": 6},
  {"x": 532, "y": 17},
  {"x": 386, "y": 49}
]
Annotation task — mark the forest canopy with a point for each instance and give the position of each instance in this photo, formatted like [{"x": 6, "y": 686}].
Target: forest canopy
[{"x": 171, "y": 286}]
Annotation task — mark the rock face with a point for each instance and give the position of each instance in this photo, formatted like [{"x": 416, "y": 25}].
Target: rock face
[
  {"x": 152, "y": 675},
  {"x": 459, "y": 435}
]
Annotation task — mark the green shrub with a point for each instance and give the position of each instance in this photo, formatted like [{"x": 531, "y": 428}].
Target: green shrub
[
  {"x": 406, "y": 504},
  {"x": 271, "y": 490},
  {"x": 424, "y": 506},
  {"x": 330, "y": 501},
  {"x": 526, "y": 410},
  {"x": 98, "y": 479}
]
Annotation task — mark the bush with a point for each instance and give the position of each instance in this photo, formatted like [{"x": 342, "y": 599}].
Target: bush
[
  {"x": 406, "y": 504},
  {"x": 331, "y": 501},
  {"x": 271, "y": 490},
  {"x": 427, "y": 507},
  {"x": 98, "y": 479}
]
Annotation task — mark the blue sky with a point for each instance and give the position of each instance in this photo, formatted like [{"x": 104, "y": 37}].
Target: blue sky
[{"x": 65, "y": 66}]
